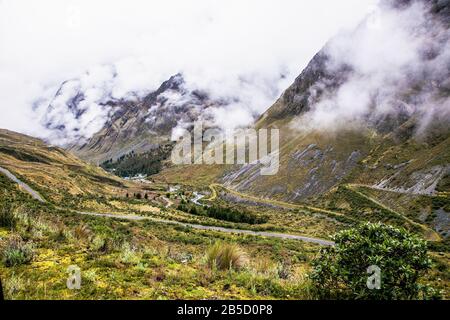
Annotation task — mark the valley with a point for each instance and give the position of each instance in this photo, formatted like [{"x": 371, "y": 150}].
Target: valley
[
  {"x": 112, "y": 236},
  {"x": 360, "y": 143}
]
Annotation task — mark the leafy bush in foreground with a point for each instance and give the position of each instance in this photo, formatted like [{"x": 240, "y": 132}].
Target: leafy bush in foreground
[{"x": 341, "y": 272}]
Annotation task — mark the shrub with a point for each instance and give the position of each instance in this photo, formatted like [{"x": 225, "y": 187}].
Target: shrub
[
  {"x": 7, "y": 218},
  {"x": 224, "y": 256},
  {"x": 99, "y": 244},
  {"x": 60, "y": 234},
  {"x": 284, "y": 270},
  {"x": 342, "y": 271},
  {"x": 16, "y": 252},
  {"x": 82, "y": 233},
  {"x": 129, "y": 255}
]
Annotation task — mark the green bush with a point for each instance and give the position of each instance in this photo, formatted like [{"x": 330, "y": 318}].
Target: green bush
[
  {"x": 225, "y": 256},
  {"x": 16, "y": 252},
  {"x": 223, "y": 213},
  {"x": 341, "y": 272},
  {"x": 7, "y": 218}
]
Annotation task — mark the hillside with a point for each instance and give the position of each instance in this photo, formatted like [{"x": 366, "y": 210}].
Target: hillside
[
  {"x": 385, "y": 143},
  {"x": 135, "y": 247},
  {"x": 56, "y": 172},
  {"x": 382, "y": 124}
]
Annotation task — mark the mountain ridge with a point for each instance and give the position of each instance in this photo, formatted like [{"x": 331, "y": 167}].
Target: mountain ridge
[{"x": 140, "y": 125}]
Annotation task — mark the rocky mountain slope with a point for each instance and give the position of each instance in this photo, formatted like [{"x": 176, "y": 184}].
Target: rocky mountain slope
[
  {"x": 365, "y": 128},
  {"x": 137, "y": 125},
  {"x": 344, "y": 122}
]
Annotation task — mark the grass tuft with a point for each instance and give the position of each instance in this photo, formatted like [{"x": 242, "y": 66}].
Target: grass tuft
[{"x": 224, "y": 256}]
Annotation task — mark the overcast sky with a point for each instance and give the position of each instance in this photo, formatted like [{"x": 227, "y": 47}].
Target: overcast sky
[{"x": 214, "y": 43}]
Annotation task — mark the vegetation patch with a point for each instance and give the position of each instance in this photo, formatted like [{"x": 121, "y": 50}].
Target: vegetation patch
[
  {"x": 24, "y": 156},
  {"x": 223, "y": 213},
  {"x": 133, "y": 164},
  {"x": 226, "y": 256},
  {"x": 393, "y": 258},
  {"x": 15, "y": 251}
]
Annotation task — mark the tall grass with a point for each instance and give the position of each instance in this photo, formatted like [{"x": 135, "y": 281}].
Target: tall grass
[{"x": 224, "y": 256}]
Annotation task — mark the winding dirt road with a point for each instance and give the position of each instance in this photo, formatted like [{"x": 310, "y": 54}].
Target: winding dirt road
[
  {"x": 23, "y": 185},
  {"x": 36, "y": 196},
  {"x": 211, "y": 228}
]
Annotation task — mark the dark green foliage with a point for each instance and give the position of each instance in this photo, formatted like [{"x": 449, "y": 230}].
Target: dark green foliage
[
  {"x": 441, "y": 246},
  {"x": 223, "y": 213},
  {"x": 340, "y": 272},
  {"x": 441, "y": 203},
  {"x": 132, "y": 164},
  {"x": 7, "y": 218}
]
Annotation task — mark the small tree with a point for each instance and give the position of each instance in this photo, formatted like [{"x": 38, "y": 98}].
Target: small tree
[{"x": 345, "y": 270}]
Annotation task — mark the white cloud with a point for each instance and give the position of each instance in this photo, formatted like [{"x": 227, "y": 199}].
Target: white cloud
[
  {"x": 250, "y": 49},
  {"x": 399, "y": 62}
]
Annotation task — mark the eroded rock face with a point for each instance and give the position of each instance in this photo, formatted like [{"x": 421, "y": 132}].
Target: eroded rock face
[
  {"x": 419, "y": 182},
  {"x": 441, "y": 222}
]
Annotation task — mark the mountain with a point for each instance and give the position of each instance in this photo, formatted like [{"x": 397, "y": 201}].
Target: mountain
[
  {"x": 399, "y": 139},
  {"x": 136, "y": 125},
  {"x": 368, "y": 117},
  {"x": 365, "y": 128}
]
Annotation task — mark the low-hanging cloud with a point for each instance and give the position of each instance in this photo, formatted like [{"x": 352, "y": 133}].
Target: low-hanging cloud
[
  {"x": 245, "y": 51},
  {"x": 399, "y": 62}
]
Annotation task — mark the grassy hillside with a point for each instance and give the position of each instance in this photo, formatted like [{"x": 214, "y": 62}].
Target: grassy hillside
[
  {"x": 131, "y": 260},
  {"x": 126, "y": 259},
  {"x": 148, "y": 259},
  {"x": 53, "y": 171}
]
